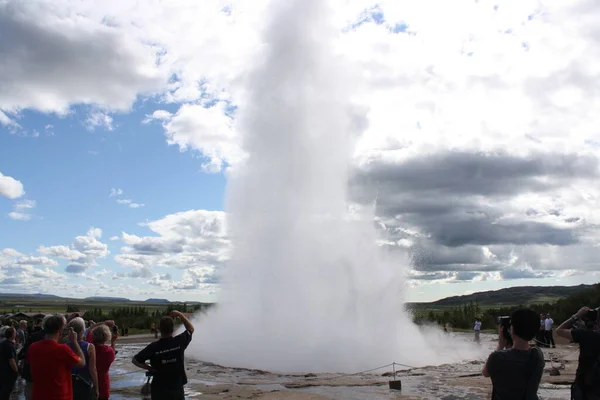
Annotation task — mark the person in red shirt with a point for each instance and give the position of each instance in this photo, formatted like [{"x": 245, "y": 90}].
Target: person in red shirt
[
  {"x": 105, "y": 355},
  {"x": 51, "y": 362}
]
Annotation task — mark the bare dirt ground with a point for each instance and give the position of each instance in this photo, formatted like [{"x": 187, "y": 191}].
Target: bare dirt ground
[{"x": 448, "y": 382}]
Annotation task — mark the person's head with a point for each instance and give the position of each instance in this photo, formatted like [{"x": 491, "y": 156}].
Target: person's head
[
  {"x": 54, "y": 324},
  {"x": 10, "y": 333},
  {"x": 23, "y": 324},
  {"x": 39, "y": 322},
  {"x": 524, "y": 324},
  {"x": 166, "y": 326},
  {"x": 78, "y": 326},
  {"x": 101, "y": 334}
]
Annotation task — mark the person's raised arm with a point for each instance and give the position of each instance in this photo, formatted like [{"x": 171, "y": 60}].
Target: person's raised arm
[
  {"x": 564, "y": 330},
  {"x": 186, "y": 322},
  {"x": 76, "y": 349}
]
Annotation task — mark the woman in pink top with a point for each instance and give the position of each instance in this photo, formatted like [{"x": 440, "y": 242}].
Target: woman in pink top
[{"x": 105, "y": 355}]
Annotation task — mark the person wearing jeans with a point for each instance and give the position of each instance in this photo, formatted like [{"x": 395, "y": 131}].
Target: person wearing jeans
[{"x": 548, "y": 322}]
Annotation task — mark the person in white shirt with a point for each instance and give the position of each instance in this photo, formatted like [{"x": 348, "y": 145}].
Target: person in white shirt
[
  {"x": 548, "y": 322},
  {"x": 477, "y": 329}
]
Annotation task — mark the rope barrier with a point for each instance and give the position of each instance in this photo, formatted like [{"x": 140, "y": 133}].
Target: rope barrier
[{"x": 313, "y": 378}]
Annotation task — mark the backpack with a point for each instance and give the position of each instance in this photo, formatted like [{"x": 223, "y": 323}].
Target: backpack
[{"x": 83, "y": 389}]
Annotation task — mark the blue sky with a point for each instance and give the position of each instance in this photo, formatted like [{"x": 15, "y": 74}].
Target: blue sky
[
  {"x": 70, "y": 170},
  {"x": 479, "y": 150}
]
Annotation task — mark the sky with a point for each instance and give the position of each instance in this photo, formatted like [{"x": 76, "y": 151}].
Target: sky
[{"x": 479, "y": 141}]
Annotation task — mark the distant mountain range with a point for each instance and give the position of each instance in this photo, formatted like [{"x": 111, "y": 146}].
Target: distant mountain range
[
  {"x": 100, "y": 298},
  {"x": 510, "y": 296},
  {"x": 503, "y": 297}
]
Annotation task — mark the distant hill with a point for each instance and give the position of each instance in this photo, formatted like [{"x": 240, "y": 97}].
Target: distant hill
[
  {"x": 511, "y": 296},
  {"x": 100, "y": 298},
  {"x": 163, "y": 301},
  {"x": 29, "y": 296}
]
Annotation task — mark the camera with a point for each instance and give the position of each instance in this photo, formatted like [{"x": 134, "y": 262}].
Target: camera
[
  {"x": 504, "y": 321},
  {"x": 115, "y": 329},
  {"x": 591, "y": 316}
]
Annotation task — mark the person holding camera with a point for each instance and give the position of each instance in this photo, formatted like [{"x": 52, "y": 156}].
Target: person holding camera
[
  {"x": 166, "y": 357},
  {"x": 516, "y": 372},
  {"x": 587, "y": 334}
]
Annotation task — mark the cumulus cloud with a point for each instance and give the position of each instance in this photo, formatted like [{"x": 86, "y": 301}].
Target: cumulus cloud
[
  {"x": 54, "y": 57},
  {"x": 20, "y": 273},
  {"x": 10, "y": 187},
  {"x": 40, "y": 261},
  {"x": 208, "y": 129},
  {"x": 195, "y": 241},
  {"x": 82, "y": 253}
]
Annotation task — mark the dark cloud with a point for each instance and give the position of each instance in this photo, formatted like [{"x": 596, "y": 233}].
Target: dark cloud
[
  {"x": 75, "y": 268},
  {"x": 522, "y": 273},
  {"x": 451, "y": 205},
  {"x": 53, "y": 64},
  {"x": 469, "y": 173},
  {"x": 149, "y": 246}
]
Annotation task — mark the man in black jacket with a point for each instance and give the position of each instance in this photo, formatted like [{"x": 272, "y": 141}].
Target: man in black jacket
[{"x": 8, "y": 364}]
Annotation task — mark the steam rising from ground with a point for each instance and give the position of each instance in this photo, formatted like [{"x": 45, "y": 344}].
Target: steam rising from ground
[{"x": 307, "y": 288}]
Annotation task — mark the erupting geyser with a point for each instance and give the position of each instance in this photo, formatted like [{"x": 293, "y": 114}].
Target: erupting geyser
[{"x": 307, "y": 289}]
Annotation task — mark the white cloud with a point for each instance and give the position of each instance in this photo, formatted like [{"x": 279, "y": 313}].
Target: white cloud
[
  {"x": 205, "y": 129},
  {"x": 98, "y": 119},
  {"x": 25, "y": 204},
  {"x": 113, "y": 238},
  {"x": 19, "y": 274},
  {"x": 82, "y": 254},
  {"x": 19, "y": 216},
  {"x": 7, "y": 121},
  {"x": 41, "y": 261},
  {"x": 22, "y": 209},
  {"x": 10, "y": 187},
  {"x": 128, "y": 202},
  {"x": 193, "y": 240}
]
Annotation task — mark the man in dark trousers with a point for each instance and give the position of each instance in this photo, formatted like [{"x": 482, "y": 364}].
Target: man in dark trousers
[
  {"x": 166, "y": 357},
  {"x": 8, "y": 364},
  {"x": 37, "y": 334}
]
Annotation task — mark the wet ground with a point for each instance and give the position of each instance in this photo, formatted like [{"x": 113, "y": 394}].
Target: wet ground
[{"x": 447, "y": 382}]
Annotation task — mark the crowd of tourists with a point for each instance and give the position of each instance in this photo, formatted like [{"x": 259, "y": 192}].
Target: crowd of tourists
[
  {"x": 70, "y": 360},
  {"x": 79, "y": 368}
]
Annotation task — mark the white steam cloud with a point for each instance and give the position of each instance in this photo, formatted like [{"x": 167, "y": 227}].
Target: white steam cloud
[{"x": 307, "y": 289}]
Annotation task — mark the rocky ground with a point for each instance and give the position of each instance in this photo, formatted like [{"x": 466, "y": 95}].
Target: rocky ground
[{"x": 450, "y": 381}]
